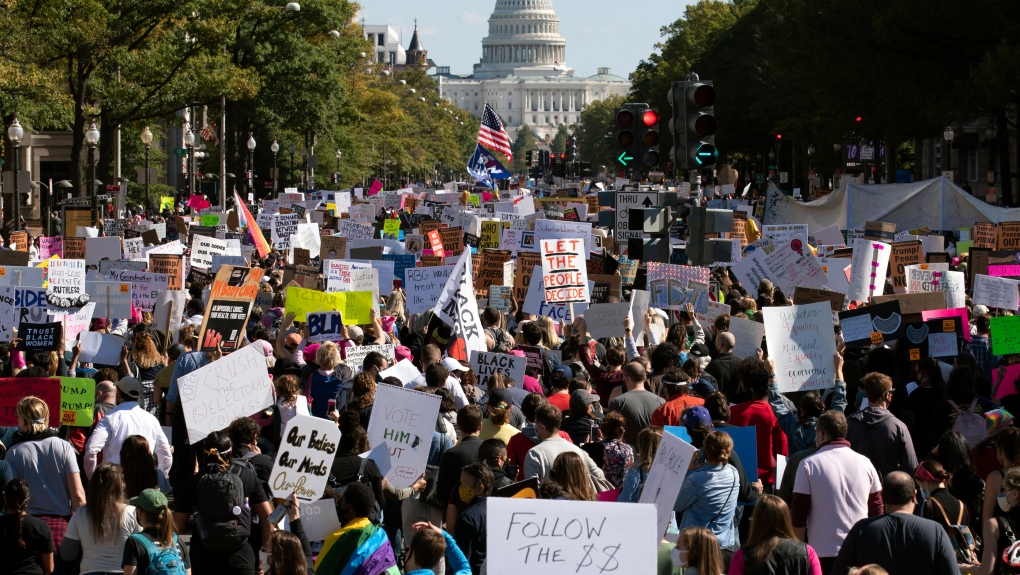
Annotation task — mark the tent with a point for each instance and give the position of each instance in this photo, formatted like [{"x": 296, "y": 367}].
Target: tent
[{"x": 938, "y": 204}]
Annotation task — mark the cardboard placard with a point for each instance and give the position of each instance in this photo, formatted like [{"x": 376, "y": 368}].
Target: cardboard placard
[
  {"x": 1009, "y": 237},
  {"x": 304, "y": 458},
  {"x": 803, "y": 295},
  {"x": 405, "y": 421},
  {"x": 986, "y": 235},
  {"x": 903, "y": 254},
  {"x": 13, "y": 389},
  {"x": 801, "y": 342},
  {"x": 565, "y": 276}
]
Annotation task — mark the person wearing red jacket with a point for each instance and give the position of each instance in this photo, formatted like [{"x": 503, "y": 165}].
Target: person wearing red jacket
[{"x": 755, "y": 375}]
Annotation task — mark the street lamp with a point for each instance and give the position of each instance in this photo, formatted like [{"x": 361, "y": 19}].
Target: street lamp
[
  {"x": 189, "y": 143},
  {"x": 251, "y": 162},
  {"x": 45, "y": 201},
  {"x": 147, "y": 140},
  {"x": 92, "y": 139},
  {"x": 15, "y": 133},
  {"x": 949, "y": 135},
  {"x": 292, "y": 7},
  {"x": 292, "y": 148},
  {"x": 275, "y": 148}
]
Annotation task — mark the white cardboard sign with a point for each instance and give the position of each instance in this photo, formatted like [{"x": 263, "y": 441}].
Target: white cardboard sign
[
  {"x": 666, "y": 477},
  {"x": 802, "y": 344},
  {"x": 485, "y": 364},
  {"x": 304, "y": 458},
  {"x": 404, "y": 418},
  {"x": 423, "y": 286},
  {"x": 868, "y": 268},
  {"x": 606, "y": 319}
]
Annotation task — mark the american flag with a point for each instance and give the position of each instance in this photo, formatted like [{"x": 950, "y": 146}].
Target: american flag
[
  {"x": 208, "y": 133},
  {"x": 492, "y": 134}
]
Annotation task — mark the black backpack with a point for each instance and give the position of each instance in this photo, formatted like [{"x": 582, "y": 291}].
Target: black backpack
[{"x": 223, "y": 519}]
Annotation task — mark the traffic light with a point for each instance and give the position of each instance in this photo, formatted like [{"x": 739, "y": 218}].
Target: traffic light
[
  {"x": 648, "y": 137},
  {"x": 626, "y": 138},
  {"x": 560, "y": 166},
  {"x": 571, "y": 149},
  {"x": 528, "y": 157},
  {"x": 693, "y": 124}
]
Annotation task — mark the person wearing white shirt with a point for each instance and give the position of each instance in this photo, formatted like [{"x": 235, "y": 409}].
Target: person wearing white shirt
[
  {"x": 441, "y": 373},
  {"x": 127, "y": 419}
]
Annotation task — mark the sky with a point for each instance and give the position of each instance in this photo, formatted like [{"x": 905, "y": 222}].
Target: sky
[{"x": 597, "y": 34}]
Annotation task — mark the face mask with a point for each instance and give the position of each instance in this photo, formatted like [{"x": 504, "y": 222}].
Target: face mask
[
  {"x": 1003, "y": 499},
  {"x": 679, "y": 558},
  {"x": 467, "y": 494},
  {"x": 264, "y": 560}
]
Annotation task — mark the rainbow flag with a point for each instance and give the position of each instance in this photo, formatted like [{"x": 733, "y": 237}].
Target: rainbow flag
[
  {"x": 256, "y": 234},
  {"x": 360, "y": 548}
]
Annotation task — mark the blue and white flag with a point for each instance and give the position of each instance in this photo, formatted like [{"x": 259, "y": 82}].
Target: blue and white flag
[{"x": 485, "y": 167}]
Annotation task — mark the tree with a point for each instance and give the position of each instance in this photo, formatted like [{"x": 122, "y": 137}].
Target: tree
[
  {"x": 559, "y": 141},
  {"x": 525, "y": 141},
  {"x": 596, "y": 121}
]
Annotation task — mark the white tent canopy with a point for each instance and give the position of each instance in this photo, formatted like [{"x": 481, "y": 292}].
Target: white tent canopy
[{"x": 938, "y": 204}]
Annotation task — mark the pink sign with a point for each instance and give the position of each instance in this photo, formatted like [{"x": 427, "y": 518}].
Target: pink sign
[
  {"x": 957, "y": 312},
  {"x": 376, "y": 188},
  {"x": 1012, "y": 372},
  {"x": 1004, "y": 271},
  {"x": 51, "y": 246},
  {"x": 198, "y": 202}
]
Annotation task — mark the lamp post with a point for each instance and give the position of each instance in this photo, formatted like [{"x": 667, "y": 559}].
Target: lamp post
[
  {"x": 251, "y": 162},
  {"x": 189, "y": 143},
  {"x": 92, "y": 139},
  {"x": 292, "y": 148},
  {"x": 275, "y": 148},
  {"x": 15, "y": 133},
  {"x": 147, "y": 140},
  {"x": 949, "y": 135}
]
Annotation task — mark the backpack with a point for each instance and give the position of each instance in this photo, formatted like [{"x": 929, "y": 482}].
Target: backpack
[
  {"x": 223, "y": 519},
  {"x": 375, "y": 516},
  {"x": 964, "y": 544},
  {"x": 970, "y": 424},
  {"x": 1011, "y": 554},
  {"x": 502, "y": 342},
  {"x": 162, "y": 560}
]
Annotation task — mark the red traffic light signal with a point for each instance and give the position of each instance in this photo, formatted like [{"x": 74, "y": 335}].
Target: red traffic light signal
[
  {"x": 650, "y": 118},
  {"x": 563, "y": 156},
  {"x": 860, "y": 119},
  {"x": 779, "y": 136}
]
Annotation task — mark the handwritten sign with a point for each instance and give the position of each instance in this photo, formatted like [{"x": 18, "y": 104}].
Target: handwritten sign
[
  {"x": 566, "y": 275},
  {"x": 354, "y": 306},
  {"x": 423, "y": 286},
  {"x": 1005, "y": 337},
  {"x": 204, "y": 248},
  {"x": 666, "y": 477},
  {"x": 13, "y": 389},
  {"x": 76, "y": 323},
  {"x": 304, "y": 458},
  {"x": 51, "y": 246},
  {"x": 868, "y": 268},
  {"x": 606, "y": 319},
  {"x": 1004, "y": 379},
  {"x": 802, "y": 344},
  {"x": 485, "y": 364},
  {"x": 66, "y": 280},
  {"x": 748, "y": 335},
  {"x": 77, "y": 401},
  {"x": 404, "y": 419},
  {"x": 1009, "y": 237},
  {"x": 325, "y": 326},
  {"x": 996, "y": 292},
  {"x": 230, "y": 387},
  {"x": 553, "y": 537},
  {"x": 903, "y": 254}
]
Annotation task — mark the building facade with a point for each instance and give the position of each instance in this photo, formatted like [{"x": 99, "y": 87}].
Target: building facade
[
  {"x": 386, "y": 44},
  {"x": 523, "y": 73}
]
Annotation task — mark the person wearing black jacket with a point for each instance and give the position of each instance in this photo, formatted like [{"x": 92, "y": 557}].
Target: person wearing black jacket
[
  {"x": 469, "y": 423},
  {"x": 724, "y": 367},
  {"x": 475, "y": 488}
]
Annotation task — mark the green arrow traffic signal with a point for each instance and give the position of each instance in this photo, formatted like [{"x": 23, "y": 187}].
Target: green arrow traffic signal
[{"x": 624, "y": 158}]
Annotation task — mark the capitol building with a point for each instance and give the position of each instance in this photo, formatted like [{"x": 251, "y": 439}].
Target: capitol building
[{"x": 523, "y": 72}]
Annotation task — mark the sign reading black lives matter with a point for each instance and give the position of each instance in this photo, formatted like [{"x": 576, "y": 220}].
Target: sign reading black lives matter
[{"x": 485, "y": 364}]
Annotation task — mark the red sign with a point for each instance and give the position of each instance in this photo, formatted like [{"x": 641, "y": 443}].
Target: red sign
[{"x": 13, "y": 389}]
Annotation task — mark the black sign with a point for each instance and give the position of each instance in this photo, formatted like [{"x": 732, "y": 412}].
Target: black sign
[
  {"x": 40, "y": 336},
  {"x": 224, "y": 324}
]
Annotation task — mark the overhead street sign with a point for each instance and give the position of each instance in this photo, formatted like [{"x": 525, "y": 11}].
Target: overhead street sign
[{"x": 626, "y": 201}]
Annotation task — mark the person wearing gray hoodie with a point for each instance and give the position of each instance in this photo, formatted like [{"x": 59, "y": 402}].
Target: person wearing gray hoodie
[{"x": 877, "y": 434}]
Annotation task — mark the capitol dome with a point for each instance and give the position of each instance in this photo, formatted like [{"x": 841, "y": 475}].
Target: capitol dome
[{"x": 524, "y": 40}]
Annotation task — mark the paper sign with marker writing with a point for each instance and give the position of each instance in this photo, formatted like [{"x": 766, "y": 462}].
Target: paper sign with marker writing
[
  {"x": 404, "y": 418},
  {"x": 996, "y": 292},
  {"x": 14, "y": 389},
  {"x": 486, "y": 364},
  {"x": 101, "y": 348},
  {"x": 77, "y": 401},
  {"x": 868, "y": 268},
  {"x": 325, "y": 326},
  {"x": 748, "y": 335},
  {"x": 230, "y": 387},
  {"x": 1005, "y": 335},
  {"x": 1004, "y": 380},
  {"x": 666, "y": 477},
  {"x": 422, "y": 286},
  {"x": 553, "y": 537},
  {"x": 566, "y": 275},
  {"x": 304, "y": 459},
  {"x": 355, "y": 306},
  {"x": 76, "y": 323},
  {"x": 802, "y": 344},
  {"x": 606, "y": 319}
]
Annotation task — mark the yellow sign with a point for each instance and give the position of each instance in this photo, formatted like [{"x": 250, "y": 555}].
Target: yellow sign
[
  {"x": 354, "y": 306},
  {"x": 391, "y": 227},
  {"x": 166, "y": 203},
  {"x": 490, "y": 235},
  {"x": 77, "y": 400},
  {"x": 45, "y": 265}
]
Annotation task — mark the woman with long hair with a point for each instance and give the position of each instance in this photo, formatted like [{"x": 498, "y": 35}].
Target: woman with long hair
[
  {"x": 497, "y": 424},
  {"x": 290, "y": 552},
  {"x": 1000, "y": 531},
  {"x": 617, "y": 455},
  {"x": 647, "y": 444},
  {"x": 26, "y": 543},
  {"x": 364, "y": 396},
  {"x": 157, "y": 537},
  {"x": 954, "y": 454},
  {"x": 697, "y": 552},
  {"x": 771, "y": 546},
  {"x": 144, "y": 362},
  {"x": 550, "y": 339},
  {"x": 48, "y": 465},
  {"x": 708, "y": 497},
  {"x": 939, "y": 505},
  {"x": 139, "y": 467},
  {"x": 1007, "y": 452},
  {"x": 100, "y": 528},
  {"x": 571, "y": 473}
]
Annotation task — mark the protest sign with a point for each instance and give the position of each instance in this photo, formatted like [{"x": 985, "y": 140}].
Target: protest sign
[
  {"x": 113, "y": 299},
  {"x": 51, "y": 246},
  {"x": 333, "y": 247},
  {"x": 76, "y": 323},
  {"x": 792, "y": 264},
  {"x": 29, "y": 305},
  {"x": 405, "y": 419},
  {"x": 145, "y": 286},
  {"x": 304, "y": 458},
  {"x": 66, "y": 283},
  {"x": 996, "y": 292},
  {"x": 230, "y": 387},
  {"x": 98, "y": 249},
  {"x": 223, "y": 324},
  {"x": 489, "y": 235},
  {"x": 491, "y": 270},
  {"x": 337, "y": 272},
  {"x": 423, "y": 286},
  {"x": 526, "y": 263},
  {"x": 19, "y": 241},
  {"x": 1004, "y": 380},
  {"x": 453, "y": 240},
  {"x": 536, "y": 304},
  {"x": 101, "y": 348},
  {"x": 325, "y": 326},
  {"x": 40, "y": 337},
  {"x": 284, "y": 225},
  {"x": 400, "y": 263},
  {"x": 868, "y": 268},
  {"x": 565, "y": 276},
  {"x": 1005, "y": 338},
  {"x": 203, "y": 248},
  {"x": 563, "y": 230},
  {"x": 357, "y": 281},
  {"x": 751, "y": 270},
  {"x": 356, "y": 355},
  {"x": 784, "y": 234},
  {"x": 403, "y": 370},
  {"x": 859, "y": 325},
  {"x": 606, "y": 319},
  {"x": 168, "y": 312},
  {"x": 748, "y": 335},
  {"x": 14, "y": 258},
  {"x": 485, "y": 364},
  {"x": 24, "y": 276},
  {"x": 925, "y": 277},
  {"x": 458, "y": 308},
  {"x": 986, "y": 235},
  {"x": 903, "y": 254},
  {"x": 13, "y": 389},
  {"x": 355, "y": 306},
  {"x": 499, "y": 298},
  {"x": 542, "y": 537},
  {"x": 803, "y": 295},
  {"x": 1009, "y": 237},
  {"x": 77, "y": 401},
  {"x": 802, "y": 344},
  {"x": 666, "y": 477}
]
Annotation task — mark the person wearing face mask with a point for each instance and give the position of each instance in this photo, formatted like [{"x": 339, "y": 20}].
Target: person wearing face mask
[
  {"x": 697, "y": 552},
  {"x": 901, "y": 542},
  {"x": 475, "y": 488},
  {"x": 935, "y": 502},
  {"x": 351, "y": 545},
  {"x": 1000, "y": 531},
  {"x": 427, "y": 550}
]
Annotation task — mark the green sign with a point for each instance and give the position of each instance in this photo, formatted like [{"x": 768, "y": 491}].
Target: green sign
[
  {"x": 391, "y": 227},
  {"x": 625, "y": 158},
  {"x": 211, "y": 219},
  {"x": 180, "y": 152},
  {"x": 77, "y": 400},
  {"x": 1005, "y": 337}
]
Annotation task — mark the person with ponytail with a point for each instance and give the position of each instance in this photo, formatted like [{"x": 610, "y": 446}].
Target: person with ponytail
[
  {"x": 708, "y": 497},
  {"x": 144, "y": 362},
  {"x": 26, "y": 543},
  {"x": 157, "y": 543},
  {"x": 100, "y": 528}
]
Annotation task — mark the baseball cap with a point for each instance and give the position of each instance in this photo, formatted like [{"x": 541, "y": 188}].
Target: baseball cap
[
  {"x": 293, "y": 340},
  {"x": 695, "y": 416},
  {"x": 580, "y": 399},
  {"x": 563, "y": 371},
  {"x": 130, "y": 387},
  {"x": 149, "y": 500},
  {"x": 703, "y": 387},
  {"x": 980, "y": 309},
  {"x": 500, "y": 398},
  {"x": 699, "y": 350},
  {"x": 453, "y": 365}
]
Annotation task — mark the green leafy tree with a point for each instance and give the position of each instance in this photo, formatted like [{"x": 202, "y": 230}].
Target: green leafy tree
[
  {"x": 559, "y": 141},
  {"x": 594, "y": 128},
  {"x": 525, "y": 141}
]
